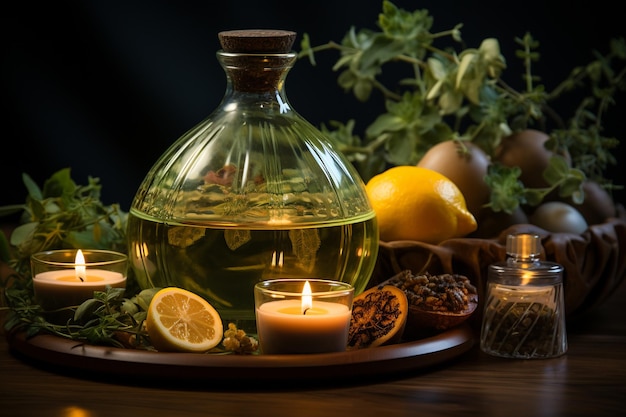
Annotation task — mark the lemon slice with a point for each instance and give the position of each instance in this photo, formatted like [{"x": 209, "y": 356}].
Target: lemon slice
[{"x": 181, "y": 321}]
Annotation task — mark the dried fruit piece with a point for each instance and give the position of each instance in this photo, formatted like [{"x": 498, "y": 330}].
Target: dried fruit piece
[
  {"x": 379, "y": 316},
  {"x": 436, "y": 302}
]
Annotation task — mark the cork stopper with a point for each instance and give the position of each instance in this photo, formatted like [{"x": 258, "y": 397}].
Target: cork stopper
[{"x": 252, "y": 41}]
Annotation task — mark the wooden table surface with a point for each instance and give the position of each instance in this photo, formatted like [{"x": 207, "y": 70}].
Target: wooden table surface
[{"x": 590, "y": 380}]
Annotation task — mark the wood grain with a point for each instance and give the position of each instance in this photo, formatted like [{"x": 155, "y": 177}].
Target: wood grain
[{"x": 589, "y": 380}]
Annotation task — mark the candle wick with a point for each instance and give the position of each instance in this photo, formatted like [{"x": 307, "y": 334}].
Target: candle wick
[{"x": 304, "y": 311}]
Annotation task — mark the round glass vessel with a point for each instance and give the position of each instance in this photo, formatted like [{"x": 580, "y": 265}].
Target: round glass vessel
[{"x": 251, "y": 193}]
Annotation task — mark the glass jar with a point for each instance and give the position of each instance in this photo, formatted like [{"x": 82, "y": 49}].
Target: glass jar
[
  {"x": 524, "y": 313},
  {"x": 252, "y": 192}
]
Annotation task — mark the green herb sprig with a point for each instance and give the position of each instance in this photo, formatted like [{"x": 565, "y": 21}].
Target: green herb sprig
[
  {"x": 455, "y": 93},
  {"x": 61, "y": 215},
  {"x": 107, "y": 319}
]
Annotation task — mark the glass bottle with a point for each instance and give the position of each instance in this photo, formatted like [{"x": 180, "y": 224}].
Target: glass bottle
[
  {"x": 524, "y": 314},
  {"x": 252, "y": 192}
]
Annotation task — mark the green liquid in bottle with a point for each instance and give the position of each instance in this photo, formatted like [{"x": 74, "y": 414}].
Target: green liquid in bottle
[{"x": 223, "y": 264}]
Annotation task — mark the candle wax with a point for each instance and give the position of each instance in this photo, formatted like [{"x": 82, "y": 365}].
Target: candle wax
[
  {"x": 282, "y": 328},
  {"x": 58, "y": 289}
]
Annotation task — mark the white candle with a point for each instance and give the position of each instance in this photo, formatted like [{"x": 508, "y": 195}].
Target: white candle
[
  {"x": 58, "y": 283},
  {"x": 303, "y": 325},
  {"x": 63, "y": 289}
]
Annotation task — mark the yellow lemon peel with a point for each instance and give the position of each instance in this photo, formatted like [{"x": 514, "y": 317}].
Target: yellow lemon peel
[{"x": 420, "y": 204}]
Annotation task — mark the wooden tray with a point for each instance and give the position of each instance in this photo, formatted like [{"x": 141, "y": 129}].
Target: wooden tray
[{"x": 103, "y": 360}]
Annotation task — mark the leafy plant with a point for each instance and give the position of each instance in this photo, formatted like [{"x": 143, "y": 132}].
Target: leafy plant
[
  {"x": 59, "y": 216},
  {"x": 462, "y": 95},
  {"x": 62, "y": 215},
  {"x": 109, "y": 318},
  {"x": 66, "y": 215}
]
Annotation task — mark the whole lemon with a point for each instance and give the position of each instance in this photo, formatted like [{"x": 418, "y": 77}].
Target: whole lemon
[{"x": 415, "y": 203}]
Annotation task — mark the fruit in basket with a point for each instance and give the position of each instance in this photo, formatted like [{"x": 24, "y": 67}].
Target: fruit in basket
[
  {"x": 181, "y": 321},
  {"x": 379, "y": 316},
  {"x": 558, "y": 217},
  {"x": 465, "y": 164},
  {"x": 436, "y": 302},
  {"x": 415, "y": 203},
  {"x": 527, "y": 150}
]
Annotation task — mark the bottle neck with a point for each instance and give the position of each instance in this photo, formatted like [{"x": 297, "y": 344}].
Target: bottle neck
[
  {"x": 256, "y": 73},
  {"x": 517, "y": 261}
]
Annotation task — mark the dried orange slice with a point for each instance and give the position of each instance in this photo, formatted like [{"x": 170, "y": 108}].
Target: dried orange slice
[
  {"x": 181, "y": 321},
  {"x": 379, "y": 316}
]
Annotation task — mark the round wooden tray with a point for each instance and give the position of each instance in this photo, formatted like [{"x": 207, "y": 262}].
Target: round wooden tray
[{"x": 103, "y": 360}]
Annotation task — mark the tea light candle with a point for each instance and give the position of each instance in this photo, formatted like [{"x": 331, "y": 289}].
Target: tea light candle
[
  {"x": 66, "y": 278},
  {"x": 289, "y": 321}
]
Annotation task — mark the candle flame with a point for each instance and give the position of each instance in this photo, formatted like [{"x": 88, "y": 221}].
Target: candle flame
[
  {"x": 307, "y": 298},
  {"x": 81, "y": 270}
]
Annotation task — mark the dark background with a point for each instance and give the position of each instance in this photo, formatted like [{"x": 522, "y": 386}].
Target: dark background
[{"x": 104, "y": 87}]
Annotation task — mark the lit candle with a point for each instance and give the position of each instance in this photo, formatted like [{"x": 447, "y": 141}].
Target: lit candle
[
  {"x": 66, "y": 278},
  {"x": 292, "y": 318}
]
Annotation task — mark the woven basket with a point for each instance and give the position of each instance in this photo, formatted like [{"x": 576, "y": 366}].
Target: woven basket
[{"x": 594, "y": 262}]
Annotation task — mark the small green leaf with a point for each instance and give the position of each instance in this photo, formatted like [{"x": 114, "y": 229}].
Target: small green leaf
[
  {"x": 129, "y": 307},
  {"x": 305, "y": 44},
  {"x": 533, "y": 196},
  {"x": 381, "y": 50},
  {"x": 450, "y": 102},
  {"x": 385, "y": 123},
  {"x": 466, "y": 61},
  {"x": 60, "y": 184},
  {"x": 556, "y": 170},
  {"x": 86, "y": 309},
  {"x": 140, "y": 316},
  {"x": 578, "y": 196},
  {"x": 114, "y": 293},
  {"x": 33, "y": 189},
  {"x": 400, "y": 148},
  {"x": 437, "y": 69},
  {"x": 490, "y": 49},
  {"x": 435, "y": 89},
  {"x": 144, "y": 297},
  {"x": 362, "y": 89},
  {"x": 572, "y": 186},
  {"x": 23, "y": 233}
]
